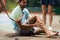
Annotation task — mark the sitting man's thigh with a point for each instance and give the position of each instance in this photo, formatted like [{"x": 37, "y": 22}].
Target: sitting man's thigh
[{"x": 32, "y": 20}]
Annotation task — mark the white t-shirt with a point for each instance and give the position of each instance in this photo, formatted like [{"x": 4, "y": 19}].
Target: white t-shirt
[{"x": 16, "y": 13}]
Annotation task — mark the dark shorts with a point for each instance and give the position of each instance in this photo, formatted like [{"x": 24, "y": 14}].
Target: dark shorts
[
  {"x": 25, "y": 32},
  {"x": 47, "y": 2}
]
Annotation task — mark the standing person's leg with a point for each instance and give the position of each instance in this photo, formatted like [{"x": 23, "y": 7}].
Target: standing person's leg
[
  {"x": 50, "y": 11},
  {"x": 43, "y": 5},
  {"x": 44, "y": 13}
]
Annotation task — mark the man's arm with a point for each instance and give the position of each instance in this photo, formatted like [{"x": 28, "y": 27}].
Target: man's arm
[
  {"x": 24, "y": 25},
  {"x": 28, "y": 25}
]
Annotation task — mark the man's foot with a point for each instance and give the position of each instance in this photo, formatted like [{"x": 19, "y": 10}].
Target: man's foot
[{"x": 55, "y": 34}]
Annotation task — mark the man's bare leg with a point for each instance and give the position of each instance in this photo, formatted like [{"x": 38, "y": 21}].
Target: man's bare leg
[
  {"x": 46, "y": 30},
  {"x": 39, "y": 23}
]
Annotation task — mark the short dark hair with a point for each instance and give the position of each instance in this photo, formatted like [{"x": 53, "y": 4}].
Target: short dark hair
[{"x": 20, "y": 0}]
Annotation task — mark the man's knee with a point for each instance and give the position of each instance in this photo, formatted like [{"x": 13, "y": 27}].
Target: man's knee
[{"x": 33, "y": 19}]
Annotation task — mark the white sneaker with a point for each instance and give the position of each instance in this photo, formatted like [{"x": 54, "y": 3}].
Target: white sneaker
[
  {"x": 59, "y": 34},
  {"x": 50, "y": 27}
]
